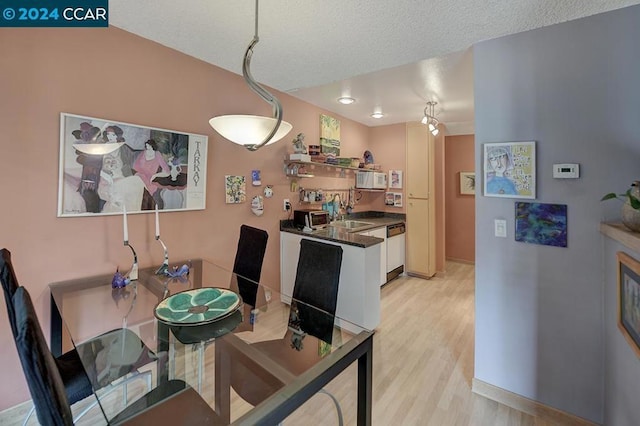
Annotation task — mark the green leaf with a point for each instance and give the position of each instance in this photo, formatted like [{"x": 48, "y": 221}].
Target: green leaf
[
  {"x": 635, "y": 203},
  {"x": 609, "y": 196}
]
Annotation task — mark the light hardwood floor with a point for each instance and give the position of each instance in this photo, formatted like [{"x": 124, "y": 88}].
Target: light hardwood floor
[{"x": 422, "y": 363}]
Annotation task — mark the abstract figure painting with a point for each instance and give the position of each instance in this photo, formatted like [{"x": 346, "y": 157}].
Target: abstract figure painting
[
  {"x": 539, "y": 223},
  {"x": 510, "y": 170},
  {"x": 629, "y": 300},
  {"x": 108, "y": 166}
]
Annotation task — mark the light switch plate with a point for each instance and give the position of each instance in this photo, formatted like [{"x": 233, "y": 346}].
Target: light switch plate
[{"x": 500, "y": 226}]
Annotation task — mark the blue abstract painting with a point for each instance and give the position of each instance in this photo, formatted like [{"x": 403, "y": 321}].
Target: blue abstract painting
[{"x": 539, "y": 223}]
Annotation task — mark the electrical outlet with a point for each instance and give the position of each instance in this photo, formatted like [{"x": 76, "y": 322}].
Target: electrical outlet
[{"x": 286, "y": 205}]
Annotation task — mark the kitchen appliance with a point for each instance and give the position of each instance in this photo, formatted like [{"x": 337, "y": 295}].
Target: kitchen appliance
[
  {"x": 371, "y": 180},
  {"x": 395, "y": 250},
  {"x": 314, "y": 219}
]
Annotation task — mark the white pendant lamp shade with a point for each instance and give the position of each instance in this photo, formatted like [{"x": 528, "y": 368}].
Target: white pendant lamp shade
[{"x": 249, "y": 130}]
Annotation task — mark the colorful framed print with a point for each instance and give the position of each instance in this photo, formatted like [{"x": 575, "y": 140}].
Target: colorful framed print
[
  {"x": 629, "y": 300},
  {"x": 329, "y": 135},
  {"x": 510, "y": 170},
  {"x": 467, "y": 183},
  {"x": 235, "y": 189},
  {"x": 108, "y": 166},
  {"x": 395, "y": 179},
  {"x": 539, "y": 223}
]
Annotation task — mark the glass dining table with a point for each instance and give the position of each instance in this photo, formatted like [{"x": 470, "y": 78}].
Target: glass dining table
[{"x": 213, "y": 329}]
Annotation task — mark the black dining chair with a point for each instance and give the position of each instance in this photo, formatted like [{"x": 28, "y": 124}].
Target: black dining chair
[
  {"x": 76, "y": 383},
  {"x": 252, "y": 245},
  {"x": 49, "y": 392},
  {"x": 316, "y": 290}
]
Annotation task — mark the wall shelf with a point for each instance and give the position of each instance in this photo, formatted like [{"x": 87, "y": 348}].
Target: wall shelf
[
  {"x": 621, "y": 234},
  {"x": 331, "y": 166}
]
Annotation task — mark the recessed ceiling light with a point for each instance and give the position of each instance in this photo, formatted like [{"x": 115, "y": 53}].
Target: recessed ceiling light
[
  {"x": 377, "y": 115},
  {"x": 346, "y": 100}
]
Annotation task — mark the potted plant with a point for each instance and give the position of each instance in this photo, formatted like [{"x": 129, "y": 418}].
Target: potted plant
[{"x": 631, "y": 206}]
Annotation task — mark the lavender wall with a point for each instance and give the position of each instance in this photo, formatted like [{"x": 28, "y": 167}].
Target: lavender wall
[{"x": 542, "y": 328}]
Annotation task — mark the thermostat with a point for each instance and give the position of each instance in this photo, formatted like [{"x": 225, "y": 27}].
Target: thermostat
[{"x": 566, "y": 171}]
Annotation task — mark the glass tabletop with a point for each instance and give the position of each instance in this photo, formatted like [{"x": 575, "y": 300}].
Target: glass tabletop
[{"x": 211, "y": 328}]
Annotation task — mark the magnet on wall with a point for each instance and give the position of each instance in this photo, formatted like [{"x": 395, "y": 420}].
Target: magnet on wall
[
  {"x": 268, "y": 191},
  {"x": 255, "y": 178},
  {"x": 257, "y": 205}
]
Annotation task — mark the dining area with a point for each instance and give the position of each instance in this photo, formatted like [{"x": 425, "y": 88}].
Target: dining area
[{"x": 183, "y": 343}]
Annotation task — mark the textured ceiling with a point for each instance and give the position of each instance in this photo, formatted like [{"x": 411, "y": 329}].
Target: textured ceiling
[{"x": 393, "y": 55}]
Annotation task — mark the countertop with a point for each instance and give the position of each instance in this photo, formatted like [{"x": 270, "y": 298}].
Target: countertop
[{"x": 349, "y": 237}]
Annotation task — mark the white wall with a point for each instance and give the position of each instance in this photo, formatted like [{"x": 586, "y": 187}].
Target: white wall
[{"x": 541, "y": 321}]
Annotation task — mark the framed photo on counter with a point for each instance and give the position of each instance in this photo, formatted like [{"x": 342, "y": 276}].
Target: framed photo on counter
[{"x": 629, "y": 299}]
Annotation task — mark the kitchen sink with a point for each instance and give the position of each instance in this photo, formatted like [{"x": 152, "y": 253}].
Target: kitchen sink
[{"x": 350, "y": 224}]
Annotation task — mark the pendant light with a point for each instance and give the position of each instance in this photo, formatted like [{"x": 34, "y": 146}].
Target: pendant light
[
  {"x": 253, "y": 131},
  {"x": 430, "y": 118}
]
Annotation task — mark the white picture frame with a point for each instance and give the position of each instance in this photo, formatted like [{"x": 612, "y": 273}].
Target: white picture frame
[
  {"x": 509, "y": 170},
  {"x": 172, "y": 175}
]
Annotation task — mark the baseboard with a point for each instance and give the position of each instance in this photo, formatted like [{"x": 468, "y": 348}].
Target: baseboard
[
  {"x": 526, "y": 405},
  {"x": 468, "y": 262}
]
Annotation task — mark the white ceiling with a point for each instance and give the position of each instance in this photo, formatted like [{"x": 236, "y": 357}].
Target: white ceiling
[{"x": 391, "y": 55}]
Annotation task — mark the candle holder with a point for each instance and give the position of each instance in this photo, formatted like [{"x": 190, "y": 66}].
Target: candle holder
[
  {"x": 133, "y": 273},
  {"x": 162, "y": 270}
]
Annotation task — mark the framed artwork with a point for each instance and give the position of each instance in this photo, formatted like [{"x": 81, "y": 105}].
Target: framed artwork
[
  {"x": 629, "y": 300},
  {"x": 388, "y": 198},
  {"x": 329, "y": 135},
  {"x": 235, "y": 189},
  {"x": 510, "y": 170},
  {"x": 106, "y": 166},
  {"x": 397, "y": 199},
  {"x": 395, "y": 179},
  {"x": 467, "y": 183},
  {"x": 539, "y": 223}
]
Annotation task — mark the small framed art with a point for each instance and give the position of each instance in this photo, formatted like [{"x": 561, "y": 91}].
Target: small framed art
[
  {"x": 467, "y": 183},
  {"x": 510, "y": 170},
  {"x": 629, "y": 299}
]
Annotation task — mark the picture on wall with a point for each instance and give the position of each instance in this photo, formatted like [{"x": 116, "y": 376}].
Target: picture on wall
[
  {"x": 467, "y": 183},
  {"x": 329, "y": 135},
  {"x": 235, "y": 189},
  {"x": 510, "y": 170},
  {"x": 106, "y": 166},
  {"x": 395, "y": 179},
  {"x": 539, "y": 223},
  {"x": 629, "y": 300}
]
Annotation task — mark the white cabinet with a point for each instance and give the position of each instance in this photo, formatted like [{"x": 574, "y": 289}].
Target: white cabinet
[
  {"x": 380, "y": 233},
  {"x": 358, "y": 288}
]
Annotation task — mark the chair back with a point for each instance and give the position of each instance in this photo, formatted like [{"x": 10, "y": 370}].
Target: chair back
[
  {"x": 316, "y": 284},
  {"x": 252, "y": 246},
  {"x": 44, "y": 380},
  {"x": 9, "y": 286}
]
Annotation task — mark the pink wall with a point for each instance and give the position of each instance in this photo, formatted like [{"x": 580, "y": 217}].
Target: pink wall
[
  {"x": 112, "y": 74},
  {"x": 388, "y": 146},
  {"x": 460, "y": 224}
]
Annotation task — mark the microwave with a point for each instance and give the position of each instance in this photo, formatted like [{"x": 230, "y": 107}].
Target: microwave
[
  {"x": 371, "y": 180},
  {"x": 315, "y": 219}
]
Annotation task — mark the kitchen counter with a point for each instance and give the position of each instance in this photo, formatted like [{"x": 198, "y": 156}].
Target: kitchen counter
[{"x": 350, "y": 236}]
